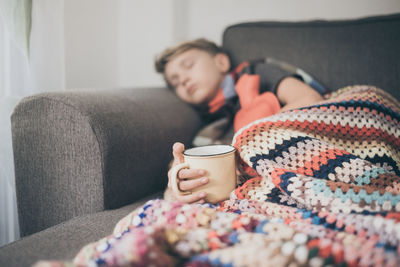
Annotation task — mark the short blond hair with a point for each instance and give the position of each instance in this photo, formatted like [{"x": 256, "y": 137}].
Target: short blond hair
[{"x": 170, "y": 53}]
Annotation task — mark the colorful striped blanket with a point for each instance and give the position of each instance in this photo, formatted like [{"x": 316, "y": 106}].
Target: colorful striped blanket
[{"x": 326, "y": 192}]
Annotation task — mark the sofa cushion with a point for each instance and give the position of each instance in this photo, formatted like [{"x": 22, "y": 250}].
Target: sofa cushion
[{"x": 337, "y": 53}]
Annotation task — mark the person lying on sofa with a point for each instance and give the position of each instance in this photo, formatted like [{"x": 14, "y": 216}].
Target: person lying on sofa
[{"x": 199, "y": 73}]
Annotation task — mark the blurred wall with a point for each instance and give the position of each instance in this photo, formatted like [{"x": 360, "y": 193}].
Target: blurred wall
[{"x": 113, "y": 43}]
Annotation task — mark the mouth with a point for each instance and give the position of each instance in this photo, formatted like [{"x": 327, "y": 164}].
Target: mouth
[{"x": 191, "y": 89}]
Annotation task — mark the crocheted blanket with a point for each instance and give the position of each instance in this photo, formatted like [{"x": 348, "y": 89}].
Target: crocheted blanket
[{"x": 327, "y": 192}]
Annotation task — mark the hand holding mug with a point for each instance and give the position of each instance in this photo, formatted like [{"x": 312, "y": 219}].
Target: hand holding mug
[
  {"x": 218, "y": 161},
  {"x": 188, "y": 179}
]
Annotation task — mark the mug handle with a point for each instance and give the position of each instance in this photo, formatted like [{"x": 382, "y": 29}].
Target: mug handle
[{"x": 174, "y": 177}]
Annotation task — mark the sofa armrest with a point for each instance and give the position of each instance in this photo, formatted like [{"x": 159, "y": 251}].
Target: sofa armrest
[{"x": 80, "y": 152}]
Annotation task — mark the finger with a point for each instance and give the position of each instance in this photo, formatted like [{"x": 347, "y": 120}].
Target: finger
[
  {"x": 190, "y": 173},
  {"x": 177, "y": 152},
  {"x": 192, "y": 184},
  {"x": 201, "y": 201},
  {"x": 190, "y": 198}
]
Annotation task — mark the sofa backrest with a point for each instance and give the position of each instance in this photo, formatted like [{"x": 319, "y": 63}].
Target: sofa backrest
[{"x": 337, "y": 53}]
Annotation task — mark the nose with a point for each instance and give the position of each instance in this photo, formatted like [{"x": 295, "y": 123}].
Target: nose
[{"x": 185, "y": 79}]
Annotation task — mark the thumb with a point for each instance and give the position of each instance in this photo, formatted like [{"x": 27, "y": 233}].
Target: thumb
[{"x": 177, "y": 152}]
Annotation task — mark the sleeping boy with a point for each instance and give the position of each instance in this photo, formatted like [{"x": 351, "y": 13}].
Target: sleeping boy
[{"x": 200, "y": 73}]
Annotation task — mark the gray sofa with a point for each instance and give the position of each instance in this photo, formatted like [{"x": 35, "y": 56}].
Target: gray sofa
[{"x": 85, "y": 159}]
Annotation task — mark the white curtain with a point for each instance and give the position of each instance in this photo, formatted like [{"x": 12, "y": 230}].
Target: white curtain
[{"x": 31, "y": 61}]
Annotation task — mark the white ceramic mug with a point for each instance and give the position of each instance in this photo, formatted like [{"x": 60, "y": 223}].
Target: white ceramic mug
[{"x": 219, "y": 163}]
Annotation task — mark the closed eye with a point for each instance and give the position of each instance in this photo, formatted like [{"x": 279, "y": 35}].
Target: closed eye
[{"x": 187, "y": 64}]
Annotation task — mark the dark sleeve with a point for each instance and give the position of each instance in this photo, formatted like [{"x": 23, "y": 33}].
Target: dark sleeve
[{"x": 271, "y": 75}]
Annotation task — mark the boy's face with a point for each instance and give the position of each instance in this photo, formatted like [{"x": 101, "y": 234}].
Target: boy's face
[{"x": 196, "y": 75}]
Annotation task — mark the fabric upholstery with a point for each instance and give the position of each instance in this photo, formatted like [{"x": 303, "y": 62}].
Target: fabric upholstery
[
  {"x": 337, "y": 53},
  {"x": 83, "y": 152}
]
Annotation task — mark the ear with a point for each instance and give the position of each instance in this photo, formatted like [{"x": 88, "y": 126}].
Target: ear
[{"x": 223, "y": 62}]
